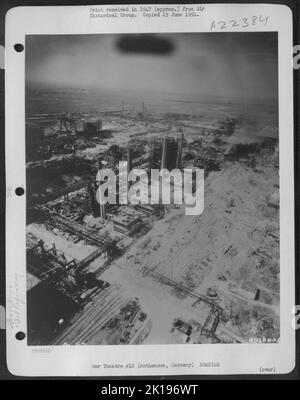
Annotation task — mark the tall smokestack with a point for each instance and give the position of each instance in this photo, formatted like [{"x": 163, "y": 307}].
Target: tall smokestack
[
  {"x": 102, "y": 213},
  {"x": 164, "y": 153},
  {"x": 129, "y": 158},
  {"x": 179, "y": 152}
]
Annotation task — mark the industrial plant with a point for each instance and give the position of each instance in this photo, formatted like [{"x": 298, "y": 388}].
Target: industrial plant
[{"x": 147, "y": 273}]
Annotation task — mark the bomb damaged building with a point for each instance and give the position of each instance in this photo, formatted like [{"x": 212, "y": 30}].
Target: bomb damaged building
[{"x": 134, "y": 273}]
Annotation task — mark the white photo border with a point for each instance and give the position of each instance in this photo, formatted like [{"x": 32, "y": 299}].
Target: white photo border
[{"x": 27, "y": 360}]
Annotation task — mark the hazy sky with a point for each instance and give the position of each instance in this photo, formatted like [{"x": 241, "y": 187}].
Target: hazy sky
[{"x": 225, "y": 64}]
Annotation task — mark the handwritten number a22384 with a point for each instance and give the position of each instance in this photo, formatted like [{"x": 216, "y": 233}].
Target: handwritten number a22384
[{"x": 243, "y": 23}]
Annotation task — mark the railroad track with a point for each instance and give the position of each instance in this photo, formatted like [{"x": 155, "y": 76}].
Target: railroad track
[
  {"x": 81, "y": 320},
  {"x": 106, "y": 304}
]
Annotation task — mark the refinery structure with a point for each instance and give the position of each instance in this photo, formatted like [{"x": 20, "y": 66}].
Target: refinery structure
[{"x": 145, "y": 273}]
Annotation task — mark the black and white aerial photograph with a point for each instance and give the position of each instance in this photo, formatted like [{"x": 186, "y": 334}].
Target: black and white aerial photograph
[{"x": 148, "y": 272}]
